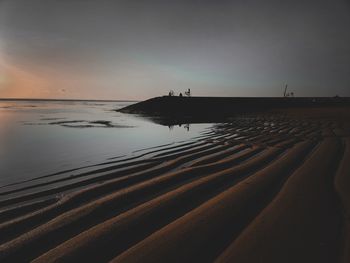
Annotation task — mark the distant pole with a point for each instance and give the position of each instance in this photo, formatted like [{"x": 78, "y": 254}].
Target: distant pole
[{"x": 285, "y": 90}]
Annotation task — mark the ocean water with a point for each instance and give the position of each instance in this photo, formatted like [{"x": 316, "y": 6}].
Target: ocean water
[{"x": 44, "y": 137}]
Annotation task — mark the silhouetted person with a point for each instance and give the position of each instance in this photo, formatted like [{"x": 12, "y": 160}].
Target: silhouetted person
[{"x": 180, "y": 95}]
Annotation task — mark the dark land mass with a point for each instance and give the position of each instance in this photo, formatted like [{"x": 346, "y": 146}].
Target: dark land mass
[{"x": 171, "y": 110}]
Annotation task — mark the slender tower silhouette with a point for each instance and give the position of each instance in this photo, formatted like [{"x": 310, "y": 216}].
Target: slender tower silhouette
[{"x": 285, "y": 90}]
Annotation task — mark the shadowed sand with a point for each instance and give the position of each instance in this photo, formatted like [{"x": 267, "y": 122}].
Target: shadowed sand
[{"x": 269, "y": 187}]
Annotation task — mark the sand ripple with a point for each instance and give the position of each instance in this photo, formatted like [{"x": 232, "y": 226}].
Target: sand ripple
[{"x": 267, "y": 188}]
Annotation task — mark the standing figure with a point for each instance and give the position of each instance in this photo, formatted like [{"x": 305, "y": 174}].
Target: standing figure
[{"x": 188, "y": 93}]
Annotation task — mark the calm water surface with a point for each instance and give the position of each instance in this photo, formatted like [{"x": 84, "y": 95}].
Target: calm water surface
[{"x": 43, "y": 137}]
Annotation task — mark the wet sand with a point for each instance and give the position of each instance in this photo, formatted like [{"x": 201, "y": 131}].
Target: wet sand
[{"x": 269, "y": 187}]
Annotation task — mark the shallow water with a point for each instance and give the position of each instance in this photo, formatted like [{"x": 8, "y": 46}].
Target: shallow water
[{"x": 43, "y": 137}]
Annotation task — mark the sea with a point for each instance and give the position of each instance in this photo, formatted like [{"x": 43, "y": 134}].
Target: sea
[{"x": 38, "y": 138}]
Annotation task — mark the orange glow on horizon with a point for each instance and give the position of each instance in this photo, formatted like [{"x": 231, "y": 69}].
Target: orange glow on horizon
[{"x": 17, "y": 83}]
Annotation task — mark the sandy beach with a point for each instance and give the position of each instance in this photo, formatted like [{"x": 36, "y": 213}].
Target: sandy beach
[
  {"x": 268, "y": 187},
  {"x": 175, "y": 131}
]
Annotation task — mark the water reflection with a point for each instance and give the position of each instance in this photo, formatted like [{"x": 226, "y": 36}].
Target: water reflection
[
  {"x": 44, "y": 137},
  {"x": 186, "y": 126}
]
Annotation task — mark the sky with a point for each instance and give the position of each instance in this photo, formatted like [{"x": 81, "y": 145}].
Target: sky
[{"x": 134, "y": 50}]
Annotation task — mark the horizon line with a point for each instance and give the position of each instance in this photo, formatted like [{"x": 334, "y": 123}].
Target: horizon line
[
  {"x": 126, "y": 100},
  {"x": 57, "y": 99}
]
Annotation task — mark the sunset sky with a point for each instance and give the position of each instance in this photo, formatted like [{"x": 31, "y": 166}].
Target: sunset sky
[{"x": 140, "y": 49}]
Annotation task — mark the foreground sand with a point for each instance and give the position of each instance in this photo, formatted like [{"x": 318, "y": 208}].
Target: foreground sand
[{"x": 271, "y": 187}]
